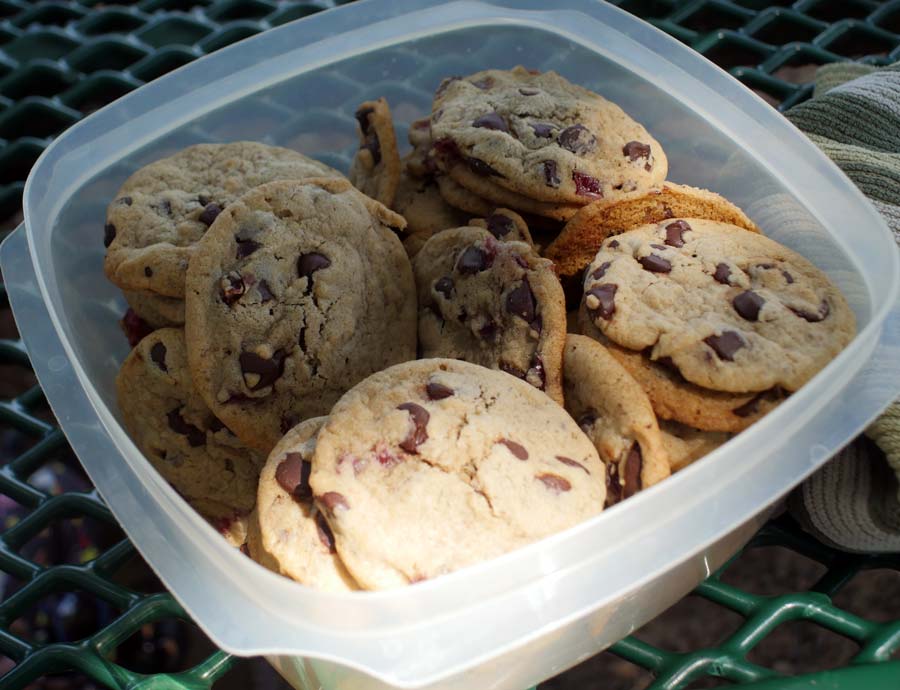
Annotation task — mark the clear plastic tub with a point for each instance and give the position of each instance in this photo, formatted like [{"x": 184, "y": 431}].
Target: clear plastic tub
[{"x": 511, "y": 622}]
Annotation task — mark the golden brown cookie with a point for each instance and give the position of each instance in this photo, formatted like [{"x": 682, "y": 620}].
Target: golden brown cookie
[{"x": 375, "y": 170}]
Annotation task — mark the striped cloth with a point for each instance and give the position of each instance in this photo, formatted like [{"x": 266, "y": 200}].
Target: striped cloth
[{"x": 853, "y": 502}]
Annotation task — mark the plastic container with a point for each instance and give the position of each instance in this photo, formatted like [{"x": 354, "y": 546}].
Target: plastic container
[{"x": 511, "y": 622}]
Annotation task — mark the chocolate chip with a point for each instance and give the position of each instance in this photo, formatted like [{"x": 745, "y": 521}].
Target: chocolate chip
[
  {"x": 813, "y": 317},
  {"x": 542, "y": 130},
  {"x": 437, "y": 391},
  {"x": 537, "y": 325},
  {"x": 661, "y": 247},
  {"x": 635, "y": 150},
  {"x": 419, "y": 434},
  {"x": 484, "y": 83},
  {"x": 675, "y": 233},
  {"x": 479, "y": 167},
  {"x": 332, "y": 500},
  {"x": 158, "y": 355},
  {"x": 307, "y": 264},
  {"x": 491, "y": 121},
  {"x": 265, "y": 293},
  {"x": 210, "y": 212},
  {"x": 751, "y": 407},
  {"x": 148, "y": 271},
  {"x": 612, "y": 244},
  {"x": 632, "y": 471},
  {"x": 245, "y": 247},
  {"x": 600, "y": 300},
  {"x": 292, "y": 475},
  {"x": 551, "y": 174},
  {"x": 264, "y": 371},
  {"x": 613, "y": 486},
  {"x": 177, "y": 423},
  {"x": 231, "y": 287},
  {"x": 586, "y": 421},
  {"x": 216, "y": 425},
  {"x": 725, "y": 345},
  {"x": 488, "y": 331},
  {"x": 520, "y": 301},
  {"x": 655, "y": 263},
  {"x": 600, "y": 271},
  {"x": 765, "y": 266},
  {"x": 499, "y": 225},
  {"x": 444, "y": 84},
  {"x": 473, "y": 260},
  {"x": 164, "y": 207},
  {"x": 572, "y": 463},
  {"x": 722, "y": 274},
  {"x": 516, "y": 449},
  {"x": 554, "y": 482},
  {"x": 787, "y": 276},
  {"x": 124, "y": 201},
  {"x": 529, "y": 92},
  {"x": 444, "y": 286},
  {"x": 577, "y": 139},
  {"x": 326, "y": 536},
  {"x": 109, "y": 234},
  {"x": 588, "y": 186},
  {"x": 748, "y": 304}
]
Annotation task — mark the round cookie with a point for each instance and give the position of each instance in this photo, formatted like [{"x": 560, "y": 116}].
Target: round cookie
[
  {"x": 175, "y": 430},
  {"x": 543, "y": 137},
  {"x": 448, "y": 464},
  {"x": 497, "y": 304},
  {"x": 616, "y": 415},
  {"x": 375, "y": 169},
  {"x": 577, "y": 244},
  {"x": 505, "y": 225},
  {"x": 157, "y": 311},
  {"x": 732, "y": 310},
  {"x": 287, "y": 532},
  {"x": 163, "y": 209},
  {"x": 678, "y": 400},
  {"x": 298, "y": 291},
  {"x": 685, "y": 445}
]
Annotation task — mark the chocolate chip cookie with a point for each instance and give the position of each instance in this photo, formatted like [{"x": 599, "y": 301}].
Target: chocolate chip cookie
[
  {"x": 287, "y": 532},
  {"x": 448, "y": 464},
  {"x": 497, "y": 304},
  {"x": 545, "y": 138},
  {"x": 616, "y": 415},
  {"x": 298, "y": 291},
  {"x": 175, "y": 430},
  {"x": 730, "y": 310},
  {"x": 577, "y": 244},
  {"x": 165, "y": 208},
  {"x": 376, "y": 167}
]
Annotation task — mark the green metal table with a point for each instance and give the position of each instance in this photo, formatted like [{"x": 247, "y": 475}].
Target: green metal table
[{"x": 59, "y": 61}]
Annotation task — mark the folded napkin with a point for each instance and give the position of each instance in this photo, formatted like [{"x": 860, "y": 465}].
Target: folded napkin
[{"x": 853, "y": 502}]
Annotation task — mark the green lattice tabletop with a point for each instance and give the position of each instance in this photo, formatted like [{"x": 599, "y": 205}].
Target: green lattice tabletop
[{"x": 109, "y": 623}]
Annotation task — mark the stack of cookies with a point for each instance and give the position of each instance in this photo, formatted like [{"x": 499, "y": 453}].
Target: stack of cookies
[{"x": 364, "y": 386}]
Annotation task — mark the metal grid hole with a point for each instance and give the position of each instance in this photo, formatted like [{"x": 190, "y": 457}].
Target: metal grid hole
[
  {"x": 50, "y": 44},
  {"x": 800, "y": 646},
  {"x": 39, "y": 78},
  {"x": 110, "y": 21},
  {"x": 106, "y": 54},
  {"x": 174, "y": 30},
  {"x": 232, "y": 33},
  {"x": 835, "y": 10},
  {"x": 860, "y": 40},
  {"x": 781, "y": 27},
  {"x": 731, "y": 50},
  {"x": 692, "y": 623},
  {"x": 711, "y": 16},
  {"x": 49, "y": 14},
  {"x": 795, "y": 573},
  {"x": 879, "y": 586},
  {"x": 229, "y": 10}
]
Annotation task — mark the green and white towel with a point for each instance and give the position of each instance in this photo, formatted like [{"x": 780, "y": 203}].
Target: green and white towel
[{"x": 853, "y": 502}]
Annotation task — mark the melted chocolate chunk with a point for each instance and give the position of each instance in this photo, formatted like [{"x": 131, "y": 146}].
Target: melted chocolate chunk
[
  {"x": 265, "y": 293},
  {"x": 210, "y": 212},
  {"x": 419, "y": 434},
  {"x": 551, "y": 174},
  {"x": 632, "y": 470},
  {"x": 267, "y": 370},
  {"x": 675, "y": 233},
  {"x": 787, "y": 276},
  {"x": 601, "y": 300},
  {"x": 748, "y": 304},
  {"x": 148, "y": 271},
  {"x": 231, "y": 287},
  {"x": 572, "y": 463},
  {"x": 437, "y": 391},
  {"x": 612, "y": 244},
  {"x": 635, "y": 150},
  {"x": 577, "y": 139},
  {"x": 600, "y": 271},
  {"x": 177, "y": 423},
  {"x": 554, "y": 482},
  {"x": 479, "y": 167},
  {"x": 499, "y": 225},
  {"x": 542, "y": 130},
  {"x": 588, "y": 186},
  {"x": 813, "y": 317},
  {"x": 655, "y": 263},
  {"x": 491, "y": 121},
  {"x": 722, "y": 274},
  {"x": 332, "y": 501},
  {"x": 158, "y": 355},
  {"x": 520, "y": 301},
  {"x": 326, "y": 536},
  {"x": 488, "y": 331},
  {"x": 292, "y": 475},
  {"x": 245, "y": 247},
  {"x": 529, "y": 92},
  {"x": 124, "y": 201},
  {"x": 516, "y": 449},
  {"x": 444, "y": 286},
  {"x": 109, "y": 234},
  {"x": 307, "y": 264},
  {"x": 473, "y": 260},
  {"x": 725, "y": 345}
]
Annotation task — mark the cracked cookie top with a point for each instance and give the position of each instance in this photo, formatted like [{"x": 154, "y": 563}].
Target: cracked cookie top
[
  {"x": 298, "y": 291},
  {"x": 448, "y": 463}
]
